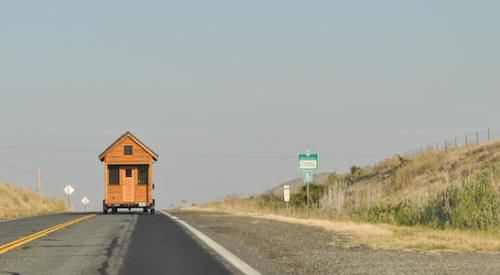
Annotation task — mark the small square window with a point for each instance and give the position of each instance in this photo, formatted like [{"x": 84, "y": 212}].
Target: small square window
[
  {"x": 128, "y": 173},
  {"x": 127, "y": 150}
]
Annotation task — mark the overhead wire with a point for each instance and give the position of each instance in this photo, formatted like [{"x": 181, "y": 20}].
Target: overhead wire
[
  {"x": 222, "y": 156},
  {"x": 31, "y": 173}
]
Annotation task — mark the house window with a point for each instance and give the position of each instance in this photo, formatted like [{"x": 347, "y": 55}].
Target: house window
[
  {"x": 114, "y": 175},
  {"x": 128, "y": 172},
  {"x": 127, "y": 150},
  {"x": 143, "y": 174}
]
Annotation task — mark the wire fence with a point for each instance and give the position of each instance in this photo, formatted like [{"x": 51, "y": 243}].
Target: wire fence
[{"x": 477, "y": 137}]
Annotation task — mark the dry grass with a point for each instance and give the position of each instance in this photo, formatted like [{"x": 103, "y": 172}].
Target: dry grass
[
  {"x": 417, "y": 177},
  {"x": 380, "y": 236},
  {"x": 20, "y": 202}
]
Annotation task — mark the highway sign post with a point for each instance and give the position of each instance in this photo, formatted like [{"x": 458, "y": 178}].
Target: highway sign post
[
  {"x": 308, "y": 164},
  {"x": 85, "y": 201},
  {"x": 69, "y": 190},
  {"x": 286, "y": 196}
]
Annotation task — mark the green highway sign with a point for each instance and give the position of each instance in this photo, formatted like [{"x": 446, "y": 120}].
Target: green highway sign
[
  {"x": 308, "y": 162},
  {"x": 308, "y": 176}
]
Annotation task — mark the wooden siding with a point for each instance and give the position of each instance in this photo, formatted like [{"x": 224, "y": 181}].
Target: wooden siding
[
  {"x": 142, "y": 192},
  {"x": 115, "y": 156}
]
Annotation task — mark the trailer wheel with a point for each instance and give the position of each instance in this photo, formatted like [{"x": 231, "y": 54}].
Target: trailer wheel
[
  {"x": 114, "y": 210},
  {"x": 152, "y": 211},
  {"x": 104, "y": 208},
  {"x": 145, "y": 210}
]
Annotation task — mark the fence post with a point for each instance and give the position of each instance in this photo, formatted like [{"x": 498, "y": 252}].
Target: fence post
[
  {"x": 466, "y": 141},
  {"x": 477, "y": 138},
  {"x": 489, "y": 135}
]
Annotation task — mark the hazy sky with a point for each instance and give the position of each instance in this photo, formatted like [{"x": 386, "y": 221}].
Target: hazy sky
[{"x": 228, "y": 92}]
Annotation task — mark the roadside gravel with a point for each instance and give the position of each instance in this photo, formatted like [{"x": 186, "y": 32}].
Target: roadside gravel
[{"x": 275, "y": 247}]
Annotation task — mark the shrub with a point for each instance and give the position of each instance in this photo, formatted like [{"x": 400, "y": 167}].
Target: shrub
[
  {"x": 356, "y": 173},
  {"x": 474, "y": 205},
  {"x": 299, "y": 198},
  {"x": 333, "y": 178}
]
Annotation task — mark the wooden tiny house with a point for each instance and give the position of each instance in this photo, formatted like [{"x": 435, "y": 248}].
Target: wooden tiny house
[{"x": 128, "y": 175}]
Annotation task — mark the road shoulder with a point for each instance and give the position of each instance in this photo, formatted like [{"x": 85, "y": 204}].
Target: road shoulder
[{"x": 277, "y": 247}]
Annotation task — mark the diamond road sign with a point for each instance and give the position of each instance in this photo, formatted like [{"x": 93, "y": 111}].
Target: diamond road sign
[
  {"x": 69, "y": 190},
  {"x": 85, "y": 201},
  {"x": 308, "y": 162}
]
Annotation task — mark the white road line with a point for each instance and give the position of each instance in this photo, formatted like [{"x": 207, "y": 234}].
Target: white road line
[
  {"x": 27, "y": 217},
  {"x": 224, "y": 253},
  {"x": 9, "y": 220}
]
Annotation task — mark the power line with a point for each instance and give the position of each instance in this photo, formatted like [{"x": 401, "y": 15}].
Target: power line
[
  {"x": 65, "y": 150},
  {"x": 267, "y": 156},
  {"x": 17, "y": 169},
  {"x": 26, "y": 172},
  {"x": 312, "y": 132},
  {"x": 37, "y": 161},
  {"x": 263, "y": 132},
  {"x": 231, "y": 156}
]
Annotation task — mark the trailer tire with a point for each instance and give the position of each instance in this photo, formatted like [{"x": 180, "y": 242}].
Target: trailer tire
[
  {"x": 145, "y": 210},
  {"x": 104, "y": 208},
  {"x": 114, "y": 210},
  {"x": 152, "y": 211}
]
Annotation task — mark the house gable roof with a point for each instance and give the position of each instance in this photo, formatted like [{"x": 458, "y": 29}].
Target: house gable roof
[{"x": 136, "y": 140}]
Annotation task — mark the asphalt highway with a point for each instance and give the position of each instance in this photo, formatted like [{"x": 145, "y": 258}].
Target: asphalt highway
[{"x": 107, "y": 244}]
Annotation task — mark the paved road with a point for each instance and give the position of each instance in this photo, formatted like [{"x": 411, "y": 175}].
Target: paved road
[{"x": 107, "y": 244}]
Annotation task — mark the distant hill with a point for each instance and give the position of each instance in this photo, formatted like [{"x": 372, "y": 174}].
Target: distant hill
[{"x": 19, "y": 202}]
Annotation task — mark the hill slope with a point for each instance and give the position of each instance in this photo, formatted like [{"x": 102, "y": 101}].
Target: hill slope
[
  {"x": 20, "y": 202},
  {"x": 414, "y": 178}
]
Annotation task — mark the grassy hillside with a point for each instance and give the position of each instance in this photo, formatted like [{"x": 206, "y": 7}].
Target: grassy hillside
[
  {"x": 435, "y": 200},
  {"x": 20, "y": 202},
  {"x": 417, "y": 178},
  {"x": 453, "y": 188}
]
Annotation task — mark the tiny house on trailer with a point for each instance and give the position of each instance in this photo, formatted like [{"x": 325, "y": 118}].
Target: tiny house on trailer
[{"x": 128, "y": 175}]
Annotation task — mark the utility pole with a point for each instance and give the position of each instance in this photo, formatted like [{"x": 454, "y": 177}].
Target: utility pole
[
  {"x": 39, "y": 181},
  {"x": 477, "y": 138},
  {"x": 489, "y": 135}
]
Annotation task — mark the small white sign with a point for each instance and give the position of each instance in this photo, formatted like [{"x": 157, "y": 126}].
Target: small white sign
[
  {"x": 85, "y": 201},
  {"x": 286, "y": 193},
  {"x": 69, "y": 190}
]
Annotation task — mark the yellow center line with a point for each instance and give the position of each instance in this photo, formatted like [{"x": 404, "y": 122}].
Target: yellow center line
[{"x": 24, "y": 240}]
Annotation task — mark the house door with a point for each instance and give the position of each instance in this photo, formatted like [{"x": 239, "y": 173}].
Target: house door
[{"x": 129, "y": 180}]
